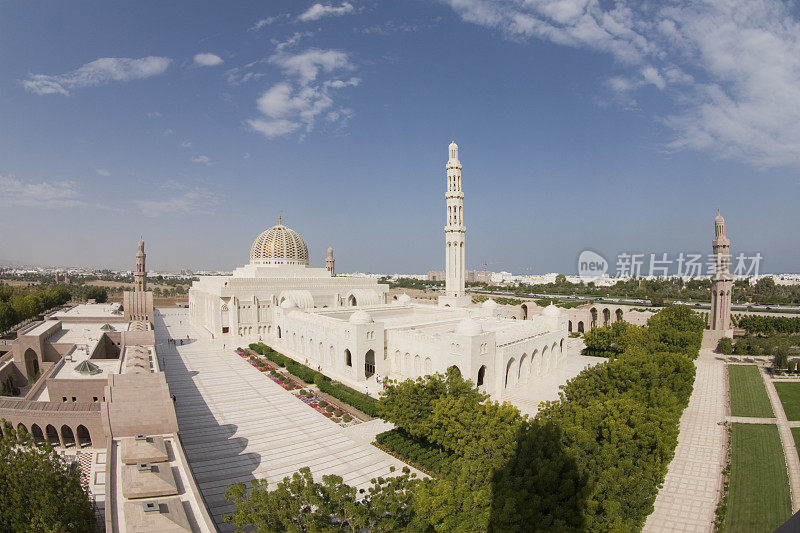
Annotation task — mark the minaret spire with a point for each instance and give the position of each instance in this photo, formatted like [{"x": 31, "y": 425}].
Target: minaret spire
[
  {"x": 721, "y": 280},
  {"x": 454, "y": 232},
  {"x": 140, "y": 276}
]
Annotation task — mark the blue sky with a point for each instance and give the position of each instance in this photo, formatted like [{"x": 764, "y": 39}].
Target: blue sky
[{"x": 581, "y": 125}]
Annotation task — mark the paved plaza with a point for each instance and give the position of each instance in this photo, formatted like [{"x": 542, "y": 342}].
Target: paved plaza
[
  {"x": 236, "y": 424},
  {"x": 688, "y": 499},
  {"x": 527, "y": 400}
]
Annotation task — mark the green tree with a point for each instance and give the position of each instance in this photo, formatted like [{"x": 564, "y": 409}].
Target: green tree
[
  {"x": 39, "y": 490},
  {"x": 98, "y": 294},
  {"x": 675, "y": 329},
  {"x": 300, "y": 504},
  {"x": 725, "y": 346}
]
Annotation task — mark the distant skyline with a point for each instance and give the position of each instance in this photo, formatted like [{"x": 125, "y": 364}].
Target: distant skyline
[{"x": 581, "y": 125}]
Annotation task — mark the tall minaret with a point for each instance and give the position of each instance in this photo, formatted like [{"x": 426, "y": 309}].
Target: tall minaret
[
  {"x": 721, "y": 280},
  {"x": 140, "y": 276},
  {"x": 329, "y": 261},
  {"x": 454, "y": 232}
]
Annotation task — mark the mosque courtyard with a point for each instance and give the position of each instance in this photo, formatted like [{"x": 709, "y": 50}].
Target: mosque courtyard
[{"x": 237, "y": 425}]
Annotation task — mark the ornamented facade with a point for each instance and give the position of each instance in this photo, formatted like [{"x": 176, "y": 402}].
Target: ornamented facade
[{"x": 346, "y": 327}]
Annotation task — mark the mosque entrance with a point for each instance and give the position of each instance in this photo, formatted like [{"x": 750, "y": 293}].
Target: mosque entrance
[{"x": 369, "y": 363}]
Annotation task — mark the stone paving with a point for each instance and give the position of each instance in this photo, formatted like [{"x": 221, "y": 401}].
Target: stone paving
[
  {"x": 527, "y": 398},
  {"x": 688, "y": 499},
  {"x": 237, "y": 425}
]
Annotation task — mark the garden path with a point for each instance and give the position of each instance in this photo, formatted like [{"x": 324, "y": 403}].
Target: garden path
[{"x": 688, "y": 499}]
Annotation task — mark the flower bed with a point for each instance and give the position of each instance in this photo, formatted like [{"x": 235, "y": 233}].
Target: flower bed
[{"x": 327, "y": 409}]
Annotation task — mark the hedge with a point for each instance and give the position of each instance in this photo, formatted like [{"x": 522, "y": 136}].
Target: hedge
[
  {"x": 364, "y": 403},
  {"x": 769, "y": 325},
  {"x": 417, "y": 451}
]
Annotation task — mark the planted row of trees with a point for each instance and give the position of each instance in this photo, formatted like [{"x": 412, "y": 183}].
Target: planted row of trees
[
  {"x": 591, "y": 461},
  {"x": 674, "y": 329},
  {"x": 770, "y": 325},
  {"x": 18, "y": 304}
]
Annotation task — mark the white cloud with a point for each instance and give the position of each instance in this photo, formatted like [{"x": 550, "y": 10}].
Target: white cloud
[
  {"x": 153, "y": 114},
  {"x": 167, "y": 131},
  {"x": 733, "y": 66},
  {"x": 267, "y": 21},
  {"x": 207, "y": 60},
  {"x": 103, "y": 172},
  {"x": 273, "y": 128},
  {"x": 182, "y": 199},
  {"x": 318, "y": 11},
  {"x": 15, "y": 192},
  {"x": 299, "y": 101},
  {"x": 99, "y": 72},
  {"x": 308, "y": 65},
  {"x": 203, "y": 160},
  {"x": 186, "y": 144}
]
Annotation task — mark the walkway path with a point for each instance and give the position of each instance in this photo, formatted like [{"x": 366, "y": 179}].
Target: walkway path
[
  {"x": 236, "y": 424},
  {"x": 787, "y": 440},
  {"x": 688, "y": 499}
]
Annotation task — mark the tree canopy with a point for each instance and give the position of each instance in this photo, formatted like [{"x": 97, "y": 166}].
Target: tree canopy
[{"x": 39, "y": 490}]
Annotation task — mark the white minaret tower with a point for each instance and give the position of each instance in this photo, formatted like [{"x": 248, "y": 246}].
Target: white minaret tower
[{"x": 454, "y": 234}]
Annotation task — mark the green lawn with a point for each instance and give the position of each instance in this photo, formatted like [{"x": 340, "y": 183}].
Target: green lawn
[
  {"x": 748, "y": 395},
  {"x": 790, "y": 398},
  {"x": 758, "y": 493},
  {"x": 796, "y": 437}
]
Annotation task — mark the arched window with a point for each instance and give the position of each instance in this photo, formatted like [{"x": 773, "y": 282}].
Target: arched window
[
  {"x": 348, "y": 359},
  {"x": 481, "y": 375}
]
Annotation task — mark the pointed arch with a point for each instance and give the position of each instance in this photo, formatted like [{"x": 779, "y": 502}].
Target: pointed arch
[
  {"x": 481, "y": 375},
  {"x": 84, "y": 437},
  {"x": 37, "y": 434},
  {"x": 511, "y": 373},
  {"x": 67, "y": 436},
  {"x": 52, "y": 435},
  {"x": 524, "y": 369}
]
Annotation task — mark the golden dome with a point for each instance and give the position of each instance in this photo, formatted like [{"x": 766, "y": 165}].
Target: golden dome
[{"x": 279, "y": 245}]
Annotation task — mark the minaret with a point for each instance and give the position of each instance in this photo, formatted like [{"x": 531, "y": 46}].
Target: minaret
[
  {"x": 329, "y": 261},
  {"x": 140, "y": 276},
  {"x": 721, "y": 280},
  {"x": 454, "y": 232}
]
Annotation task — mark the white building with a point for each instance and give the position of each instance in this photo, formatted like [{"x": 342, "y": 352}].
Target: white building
[{"x": 346, "y": 327}]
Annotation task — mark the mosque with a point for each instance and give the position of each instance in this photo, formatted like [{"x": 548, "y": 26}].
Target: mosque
[{"x": 350, "y": 330}]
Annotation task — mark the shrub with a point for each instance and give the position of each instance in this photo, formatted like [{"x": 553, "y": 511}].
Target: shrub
[
  {"x": 337, "y": 412},
  {"x": 347, "y": 418},
  {"x": 328, "y": 414},
  {"x": 322, "y": 403},
  {"x": 725, "y": 346},
  {"x": 329, "y": 409},
  {"x": 781, "y": 358}
]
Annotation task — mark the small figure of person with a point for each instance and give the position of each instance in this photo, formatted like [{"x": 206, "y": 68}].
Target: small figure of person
[
  {"x": 174, "y": 399},
  {"x": 367, "y": 389}
]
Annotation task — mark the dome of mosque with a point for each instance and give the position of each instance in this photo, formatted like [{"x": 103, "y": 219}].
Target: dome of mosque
[
  {"x": 288, "y": 304},
  {"x": 489, "y": 304},
  {"x": 361, "y": 317},
  {"x": 279, "y": 245},
  {"x": 551, "y": 311},
  {"x": 404, "y": 298},
  {"x": 469, "y": 326}
]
